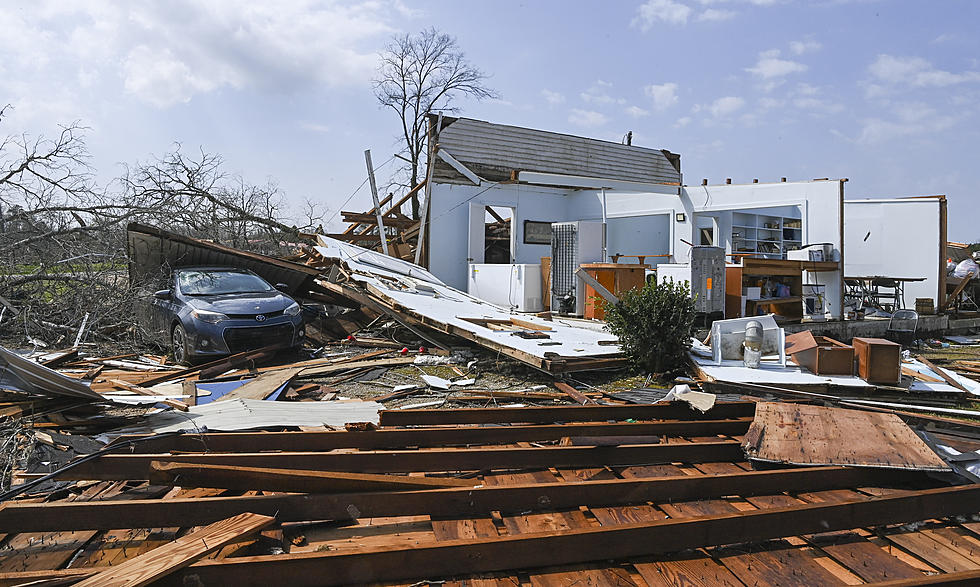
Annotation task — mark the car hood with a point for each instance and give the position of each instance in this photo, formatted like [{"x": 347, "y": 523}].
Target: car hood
[{"x": 250, "y": 303}]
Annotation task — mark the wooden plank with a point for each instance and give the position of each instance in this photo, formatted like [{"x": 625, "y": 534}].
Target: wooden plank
[
  {"x": 574, "y": 393},
  {"x": 945, "y": 376},
  {"x": 290, "y": 480},
  {"x": 123, "y": 467},
  {"x": 160, "y": 562},
  {"x": 262, "y": 386},
  {"x": 336, "y": 367},
  {"x": 423, "y": 437},
  {"x": 641, "y": 484},
  {"x": 528, "y": 551},
  {"x": 149, "y": 392},
  {"x": 815, "y": 435}
]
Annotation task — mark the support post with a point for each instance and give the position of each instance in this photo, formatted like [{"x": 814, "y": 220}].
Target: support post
[{"x": 377, "y": 204}]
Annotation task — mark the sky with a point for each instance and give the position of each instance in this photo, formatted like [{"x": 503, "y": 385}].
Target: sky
[{"x": 884, "y": 93}]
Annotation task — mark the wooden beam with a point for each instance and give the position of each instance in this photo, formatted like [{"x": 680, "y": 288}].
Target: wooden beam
[
  {"x": 262, "y": 386},
  {"x": 464, "y": 502},
  {"x": 171, "y": 557},
  {"x": 290, "y": 480},
  {"x": 149, "y": 392},
  {"x": 547, "y": 415},
  {"x": 389, "y": 221},
  {"x": 574, "y": 393},
  {"x": 958, "y": 579},
  {"x": 424, "y": 437},
  {"x": 131, "y": 466},
  {"x": 945, "y": 376},
  {"x": 535, "y": 550}
]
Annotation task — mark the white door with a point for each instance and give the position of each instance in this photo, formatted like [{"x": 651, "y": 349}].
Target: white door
[{"x": 477, "y": 238}]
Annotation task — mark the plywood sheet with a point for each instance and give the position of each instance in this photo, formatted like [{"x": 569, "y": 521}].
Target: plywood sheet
[{"x": 816, "y": 435}]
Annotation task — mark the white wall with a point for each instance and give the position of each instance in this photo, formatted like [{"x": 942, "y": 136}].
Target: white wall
[
  {"x": 816, "y": 202},
  {"x": 895, "y": 238},
  {"x": 449, "y": 223}
]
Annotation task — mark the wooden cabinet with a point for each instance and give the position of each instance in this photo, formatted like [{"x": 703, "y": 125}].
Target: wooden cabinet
[
  {"x": 616, "y": 277},
  {"x": 819, "y": 354},
  {"x": 752, "y": 271},
  {"x": 879, "y": 360}
]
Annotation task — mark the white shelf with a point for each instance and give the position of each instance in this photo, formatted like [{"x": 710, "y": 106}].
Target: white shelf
[{"x": 767, "y": 242}]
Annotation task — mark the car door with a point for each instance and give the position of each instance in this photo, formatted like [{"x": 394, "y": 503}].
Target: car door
[{"x": 162, "y": 312}]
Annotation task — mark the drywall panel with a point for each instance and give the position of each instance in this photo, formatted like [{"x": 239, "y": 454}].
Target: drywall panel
[{"x": 894, "y": 238}]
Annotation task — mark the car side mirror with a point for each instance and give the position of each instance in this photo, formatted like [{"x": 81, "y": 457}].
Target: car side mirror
[
  {"x": 282, "y": 287},
  {"x": 163, "y": 294}
]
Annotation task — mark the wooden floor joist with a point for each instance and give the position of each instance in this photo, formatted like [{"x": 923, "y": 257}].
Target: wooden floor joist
[
  {"x": 290, "y": 480},
  {"x": 427, "y": 437},
  {"x": 126, "y": 467},
  {"x": 527, "y": 551},
  {"x": 72, "y": 516},
  {"x": 550, "y": 415}
]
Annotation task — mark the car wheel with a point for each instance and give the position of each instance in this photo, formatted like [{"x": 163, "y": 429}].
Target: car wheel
[{"x": 178, "y": 344}]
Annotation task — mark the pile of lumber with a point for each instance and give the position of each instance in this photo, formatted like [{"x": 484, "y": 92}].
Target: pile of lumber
[{"x": 636, "y": 495}]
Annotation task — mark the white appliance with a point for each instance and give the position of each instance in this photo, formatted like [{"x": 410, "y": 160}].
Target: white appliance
[
  {"x": 815, "y": 301},
  {"x": 573, "y": 243},
  {"x": 516, "y": 287}
]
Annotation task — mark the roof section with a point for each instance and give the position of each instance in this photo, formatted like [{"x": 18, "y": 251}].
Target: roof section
[
  {"x": 151, "y": 249},
  {"x": 494, "y": 151}
]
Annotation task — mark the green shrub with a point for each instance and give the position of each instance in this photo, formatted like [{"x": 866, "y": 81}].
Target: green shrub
[{"x": 654, "y": 325}]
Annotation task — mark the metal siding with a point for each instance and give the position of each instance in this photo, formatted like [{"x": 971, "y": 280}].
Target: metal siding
[{"x": 493, "y": 150}]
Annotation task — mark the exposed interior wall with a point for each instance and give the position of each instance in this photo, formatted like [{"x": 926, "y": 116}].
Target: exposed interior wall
[
  {"x": 898, "y": 237},
  {"x": 650, "y": 217},
  {"x": 450, "y": 221}
]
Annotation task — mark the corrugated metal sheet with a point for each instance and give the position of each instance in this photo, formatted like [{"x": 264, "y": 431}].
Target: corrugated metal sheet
[
  {"x": 19, "y": 373},
  {"x": 243, "y": 414},
  {"x": 493, "y": 151}
]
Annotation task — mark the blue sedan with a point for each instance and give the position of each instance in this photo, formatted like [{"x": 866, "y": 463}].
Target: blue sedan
[{"x": 215, "y": 311}]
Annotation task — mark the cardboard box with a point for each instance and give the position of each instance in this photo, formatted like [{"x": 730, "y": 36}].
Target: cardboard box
[
  {"x": 819, "y": 354},
  {"x": 878, "y": 360}
]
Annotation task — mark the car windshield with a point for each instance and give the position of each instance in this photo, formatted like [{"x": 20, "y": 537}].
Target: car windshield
[{"x": 212, "y": 283}]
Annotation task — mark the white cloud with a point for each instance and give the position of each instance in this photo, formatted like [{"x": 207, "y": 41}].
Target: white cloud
[
  {"x": 587, "y": 118},
  {"x": 599, "y": 94},
  {"x": 664, "y": 95},
  {"x": 637, "y": 112},
  {"x": 682, "y": 122},
  {"x": 770, "y": 66},
  {"x": 553, "y": 98},
  {"x": 166, "y": 53},
  {"x": 801, "y": 47},
  {"x": 908, "y": 119},
  {"x": 653, "y": 11},
  {"x": 726, "y": 106},
  {"x": 916, "y": 72},
  {"x": 716, "y": 15}
]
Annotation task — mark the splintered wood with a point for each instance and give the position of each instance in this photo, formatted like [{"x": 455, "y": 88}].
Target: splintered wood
[
  {"x": 814, "y": 435},
  {"x": 159, "y": 562}
]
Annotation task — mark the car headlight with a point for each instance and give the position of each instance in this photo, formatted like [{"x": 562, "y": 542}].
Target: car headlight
[
  {"x": 293, "y": 309},
  {"x": 208, "y": 316}
]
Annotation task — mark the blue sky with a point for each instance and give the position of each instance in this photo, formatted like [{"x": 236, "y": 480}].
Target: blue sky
[{"x": 884, "y": 93}]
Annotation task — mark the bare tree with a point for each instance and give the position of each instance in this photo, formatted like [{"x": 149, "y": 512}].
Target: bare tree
[
  {"x": 420, "y": 74},
  {"x": 63, "y": 251}
]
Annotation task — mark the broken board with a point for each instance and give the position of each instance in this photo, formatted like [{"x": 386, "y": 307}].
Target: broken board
[{"x": 814, "y": 435}]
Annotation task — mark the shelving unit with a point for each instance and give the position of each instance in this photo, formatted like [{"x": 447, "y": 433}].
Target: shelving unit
[{"x": 770, "y": 237}]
